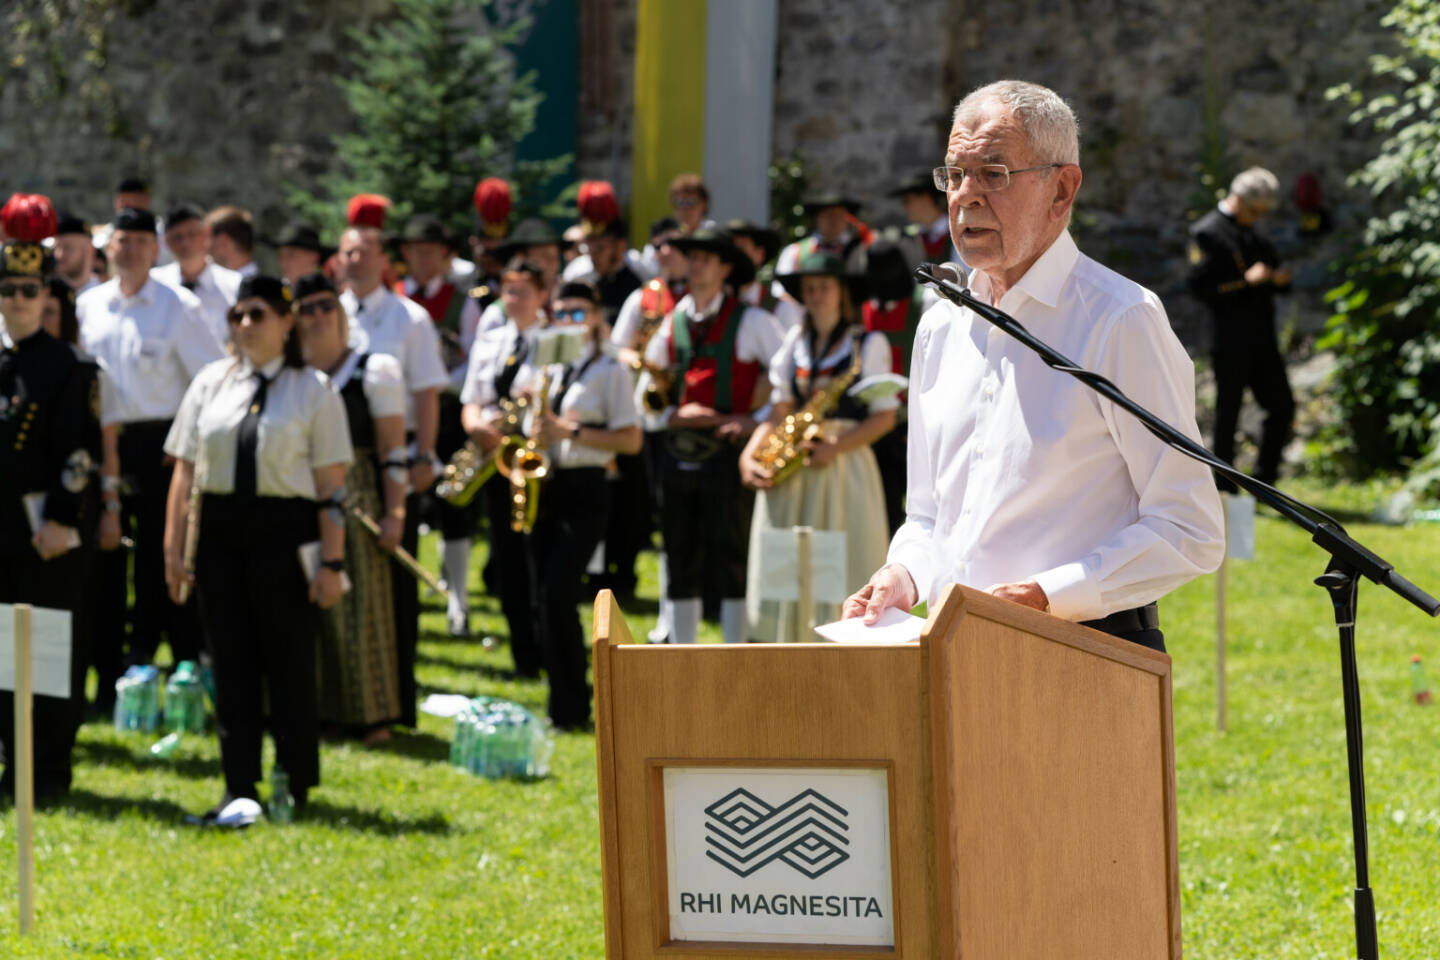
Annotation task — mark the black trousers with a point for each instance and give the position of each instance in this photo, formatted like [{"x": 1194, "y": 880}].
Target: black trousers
[
  {"x": 261, "y": 631},
  {"x": 152, "y": 616},
  {"x": 454, "y": 523},
  {"x": 705, "y": 521},
  {"x": 891, "y": 455},
  {"x": 628, "y": 530},
  {"x": 510, "y": 558},
  {"x": 405, "y": 591},
  {"x": 572, "y": 518},
  {"x": 1262, "y": 370},
  {"x": 59, "y": 584}
]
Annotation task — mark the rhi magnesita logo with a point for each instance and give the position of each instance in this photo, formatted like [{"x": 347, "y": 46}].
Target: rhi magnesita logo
[{"x": 807, "y": 832}]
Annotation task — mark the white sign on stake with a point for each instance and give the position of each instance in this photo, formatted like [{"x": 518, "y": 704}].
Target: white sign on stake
[
  {"x": 49, "y": 651},
  {"x": 778, "y": 560}
]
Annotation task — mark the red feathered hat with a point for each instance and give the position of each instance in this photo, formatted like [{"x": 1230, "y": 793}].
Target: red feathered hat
[
  {"x": 492, "y": 207},
  {"x": 598, "y": 206},
  {"x": 28, "y": 217},
  {"x": 367, "y": 210},
  {"x": 1308, "y": 195}
]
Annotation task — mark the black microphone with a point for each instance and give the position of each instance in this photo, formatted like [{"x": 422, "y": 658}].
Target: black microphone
[{"x": 948, "y": 279}]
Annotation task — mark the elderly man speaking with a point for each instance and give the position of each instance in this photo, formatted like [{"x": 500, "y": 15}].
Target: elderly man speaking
[{"x": 1021, "y": 480}]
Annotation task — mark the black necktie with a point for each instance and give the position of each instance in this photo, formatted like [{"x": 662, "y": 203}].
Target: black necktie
[
  {"x": 506, "y": 379},
  {"x": 247, "y": 440}
]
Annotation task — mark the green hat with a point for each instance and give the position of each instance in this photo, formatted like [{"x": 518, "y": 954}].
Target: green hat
[
  {"x": 715, "y": 240},
  {"x": 528, "y": 233},
  {"x": 768, "y": 239},
  {"x": 823, "y": 263},
  {"x": 821, "y": 201}
]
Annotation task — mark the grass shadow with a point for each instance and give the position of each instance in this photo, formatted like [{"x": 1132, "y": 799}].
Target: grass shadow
[
  {"x": 346, "y": 817},
  {"x": 414, "y": 744},
  {"x": 101, "y": 807},
  {"x": 117, "y": 755}
]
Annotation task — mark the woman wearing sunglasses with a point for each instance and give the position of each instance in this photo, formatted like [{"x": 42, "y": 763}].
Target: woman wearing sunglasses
[
  {"x": 593, "y": 417},
  {"x": 263, "y": 439},
  {"x": 49, "y": 442},
  {"x": 359, "y": 672}
]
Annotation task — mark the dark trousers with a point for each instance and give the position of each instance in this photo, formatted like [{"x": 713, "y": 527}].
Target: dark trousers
[
  {"x": 261, "y": 631},
  {"x": 511, "y": 561},
  {"x": 59, "y": 584},
  {"x": 705, "y": 521},
  {"x": 152, "y": 616},
  {"x": 628, "y": 530},
  {"x": 572, "y": 518},
  {"x": 891, "y": 454},
  {"x": 454, "y": 523},
  {"x": 406, "y": 593},
  {"x": 1262, "y": 370}
]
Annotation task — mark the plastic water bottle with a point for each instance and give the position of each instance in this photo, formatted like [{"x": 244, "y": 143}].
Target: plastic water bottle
[
  {"x": 1419, "y": 686},
  {"x": 137, "y": 699},
  {"x": 282, "y": 802},
  {"x": 496, "y": 738},
  {"x": 166, "y": 746},
  {"x": 185, "y": 700}
]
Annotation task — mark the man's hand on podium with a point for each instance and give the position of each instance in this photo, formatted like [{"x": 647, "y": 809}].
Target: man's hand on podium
[
  {"x": 891, "y": 586},
  {"x": 1027, "y": 594}
]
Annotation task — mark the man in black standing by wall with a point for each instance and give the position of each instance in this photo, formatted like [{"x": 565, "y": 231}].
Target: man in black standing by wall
[{"x": 1236, "y": 272}]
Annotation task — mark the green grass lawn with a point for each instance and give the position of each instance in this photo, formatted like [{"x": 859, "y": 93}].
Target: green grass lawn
[{"x": 401, "y": 856}]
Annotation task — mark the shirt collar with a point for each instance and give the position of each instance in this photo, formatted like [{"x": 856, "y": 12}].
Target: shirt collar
[
  {"x": 941, "y": 225},
  {"x": 268, "y": 371},
  {"x": 710, "y": 308},
  {"x": 372, "y": 301},
  {"x": 142, "y": 296},
  {"x": 1046, "y": 276}
]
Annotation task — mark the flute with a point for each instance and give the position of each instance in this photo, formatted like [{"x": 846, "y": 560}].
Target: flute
[
  {"x": 192, "y": 526},
  {"x": 399, "y": 553}
]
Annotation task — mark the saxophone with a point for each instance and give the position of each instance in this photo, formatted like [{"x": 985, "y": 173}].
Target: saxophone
[
  {"x": 782, "y": 452},
  {"x": 469, "y": 469},
  {"x": 661, "y": 385},
  {"x": 525, "y": 465}
]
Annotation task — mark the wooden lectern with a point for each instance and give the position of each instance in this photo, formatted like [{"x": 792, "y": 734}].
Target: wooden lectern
[{"x": 1004, "y": 789}]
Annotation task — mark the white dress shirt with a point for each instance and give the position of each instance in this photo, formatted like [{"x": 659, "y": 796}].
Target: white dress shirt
[
  {"x": 250, "y": 269},
  {"x": 150, "y": 345},
  {"x": 1018, "y": 472},
  {"x": 383, "y": 383},
  {"x": 215, "y": 287},
  {"x": 385, "y": 322},
  {"x": 601, "y": 396},
  {"x": 787, "y": 312},
  {"x": 794, "y": 353},
  {"x": 303, "y": 427},
  {"x": 489, "y": 356}
]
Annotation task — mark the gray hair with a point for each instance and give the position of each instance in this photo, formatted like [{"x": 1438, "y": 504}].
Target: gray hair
[
  {"x": 1255, "y": 186},
  {"x": 1049, "y": 123}
]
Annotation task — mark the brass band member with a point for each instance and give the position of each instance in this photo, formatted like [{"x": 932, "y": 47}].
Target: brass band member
[
  {"x": 495, "y": 363},
  {"x": 49, "y": 442},
  {"x": 359, "y": 673},
  {"x": 266, "y": 439},
  {"x": 593, "y": 419},
  {"x": 717, "y": 349},
  {"x": 840, "y": 487}
]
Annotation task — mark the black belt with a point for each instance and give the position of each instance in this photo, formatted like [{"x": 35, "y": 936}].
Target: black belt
[{"x": 1127, "y": 621}]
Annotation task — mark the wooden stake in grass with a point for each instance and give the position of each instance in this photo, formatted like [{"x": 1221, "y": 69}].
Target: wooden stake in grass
[{"x": 24, "y": 760}]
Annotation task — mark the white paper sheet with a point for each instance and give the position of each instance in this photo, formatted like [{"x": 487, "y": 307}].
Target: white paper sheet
[
  {"x": 49, "y": 651},
  {"x": 894, "y": 626}
]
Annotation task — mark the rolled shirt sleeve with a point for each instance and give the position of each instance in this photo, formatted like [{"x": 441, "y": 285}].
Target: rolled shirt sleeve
[{"x": 329, "y": 430}]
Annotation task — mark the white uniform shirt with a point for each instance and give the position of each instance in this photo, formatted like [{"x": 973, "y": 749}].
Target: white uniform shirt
[
  {"x": 629, "y": 321},
  {"x": 1018, "y": 472},
  {"x": 757, "y": 339},
  {"x": 383, "y": 382},
  {"x": 492, "y": 319},
  {"x": 489, "y": 356},
  {"x": 150, "y": 345},
  {"x": 583, "y": 266},
  {"x": 215, "y": 287},
  {"x": 385, "y": 322},
  {"x": 794, "y": 353},
  {"x": 601, "y": 396},
  {"x": 250, "y": 269},
  {"x": 303, "y": 427},
  {"x": 787, "y": 312}
]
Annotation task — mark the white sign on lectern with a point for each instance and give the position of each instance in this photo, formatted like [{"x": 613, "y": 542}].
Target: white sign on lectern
[{"x": 779, "y": 855}]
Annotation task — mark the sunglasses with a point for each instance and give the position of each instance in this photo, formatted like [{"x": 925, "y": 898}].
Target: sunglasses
[
  {"x": 27, "y": 290},
  {"x": 317, "y": 307},
  {"x": 571, "y": 316},
  {"x": 254, "y": 314}
]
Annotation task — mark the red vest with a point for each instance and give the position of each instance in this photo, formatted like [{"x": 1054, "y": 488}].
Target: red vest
[
  {"x": 899, "y": 324},
  {"x": 701, "y": 374},
  {"x": 437, "y": 306}
]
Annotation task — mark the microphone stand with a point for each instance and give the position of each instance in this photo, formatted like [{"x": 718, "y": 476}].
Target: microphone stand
[{"x": 1349, "y": 560}]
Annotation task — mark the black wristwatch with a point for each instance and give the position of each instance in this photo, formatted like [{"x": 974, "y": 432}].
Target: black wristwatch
[
  {"x": 337, "y": 565},
  {"x": 575, "y": 433}
]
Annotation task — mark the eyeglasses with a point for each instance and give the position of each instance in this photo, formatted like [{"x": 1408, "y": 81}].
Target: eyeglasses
[
  {"x": 681, "y": 202},
  {"x": 570, "y": 316},
  {"x": 254, "y": 315},
  {"x": 988, "y": 176},
  {"x": 27, "y": 290},
  {"x": 317, "y": 306}
]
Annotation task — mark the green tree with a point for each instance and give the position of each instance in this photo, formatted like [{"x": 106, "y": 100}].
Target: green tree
[
  {"x": 437, "y": 107},
  {"x": 1383, "y": 331}
]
